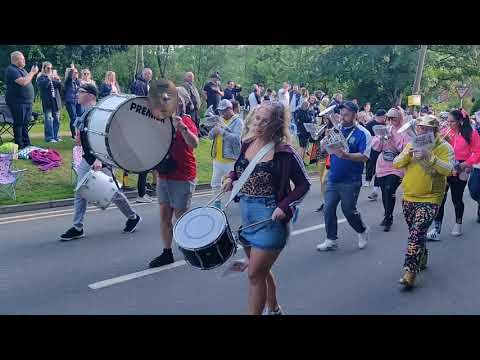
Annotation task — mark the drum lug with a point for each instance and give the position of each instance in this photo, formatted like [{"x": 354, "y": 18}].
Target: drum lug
[
  {"x": 219, "y": 253},
  {"x": 200, "y": 260}
]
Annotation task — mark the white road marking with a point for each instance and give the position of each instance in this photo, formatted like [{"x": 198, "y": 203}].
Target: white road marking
[
  {"x": 139, "y": 274},
  {"x": 58, "y": 213},
  {"x": 135, "y": 275},
  {"x": 68, "y": 212},
  {"x": 312, "y": 228}
]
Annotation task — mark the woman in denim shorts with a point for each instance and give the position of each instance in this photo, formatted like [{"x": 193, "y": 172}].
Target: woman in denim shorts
[{"x": 268, "y": 194}]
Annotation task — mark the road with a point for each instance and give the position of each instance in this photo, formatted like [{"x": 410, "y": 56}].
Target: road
[{"x": 40, "y": 275}]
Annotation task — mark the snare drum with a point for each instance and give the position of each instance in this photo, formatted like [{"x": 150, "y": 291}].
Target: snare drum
[
  {"x": 204, "y": 237},
  {"x": 97, "y": 188},
  {"x": 122, "y": 132}
]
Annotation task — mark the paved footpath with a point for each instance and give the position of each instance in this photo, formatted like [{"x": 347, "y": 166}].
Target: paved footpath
[{"x": 106, "y": 272}]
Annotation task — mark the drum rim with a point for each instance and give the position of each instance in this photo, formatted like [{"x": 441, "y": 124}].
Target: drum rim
[
  {"x": 127, "y": 97},
  {"x": 210, "y": 244},
  {"x": 234, "y": 251}
]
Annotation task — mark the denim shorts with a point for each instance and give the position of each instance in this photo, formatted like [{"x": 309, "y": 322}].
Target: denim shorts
[{"x": 267, "y": 236}]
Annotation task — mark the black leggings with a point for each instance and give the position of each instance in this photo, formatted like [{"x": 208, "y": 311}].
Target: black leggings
[
  {"x": 141, "y": 183},
  {"x": 389, "y": 185},
  {"x": 457, "y": 188},
  {"x": 370, "y": 167}
]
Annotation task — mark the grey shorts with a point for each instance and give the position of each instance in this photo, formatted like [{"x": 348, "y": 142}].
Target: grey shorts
[{"x": 176, "y": 193}]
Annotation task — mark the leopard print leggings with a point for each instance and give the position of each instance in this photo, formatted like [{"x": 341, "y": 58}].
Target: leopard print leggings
[{"x": 419, "y": 217}]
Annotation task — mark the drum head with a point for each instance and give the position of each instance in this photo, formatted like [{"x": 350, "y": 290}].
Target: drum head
[
  {"x": 137, "y": 142},
  {"x": 199, "y": 227}
]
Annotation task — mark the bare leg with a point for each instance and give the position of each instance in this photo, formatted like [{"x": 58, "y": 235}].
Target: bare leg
[
  {"x": 261, "y": 261},
  {"x": 166, "y": 227},
  {"x": 272, "y": 303}
]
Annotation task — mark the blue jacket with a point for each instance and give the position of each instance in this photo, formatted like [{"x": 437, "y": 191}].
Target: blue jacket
[
  {"x": 104, "y": 90},
  {"x": 231, "y": 94},
  {"x": 71, "y": 87},
  {"x": 139, "y": 87}
]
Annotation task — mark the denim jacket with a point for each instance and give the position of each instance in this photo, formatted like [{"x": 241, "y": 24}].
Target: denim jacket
[{"x": 231, "y": 144}]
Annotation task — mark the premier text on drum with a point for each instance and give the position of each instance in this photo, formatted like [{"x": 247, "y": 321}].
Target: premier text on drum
[{"x": 144, "y": 110}]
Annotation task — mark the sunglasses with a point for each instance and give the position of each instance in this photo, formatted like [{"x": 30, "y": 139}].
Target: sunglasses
[{"x": 48, "y": 68}]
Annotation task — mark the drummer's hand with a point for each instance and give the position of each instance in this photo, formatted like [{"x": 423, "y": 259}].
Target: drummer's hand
[
  {"x": 97, "y": 165},
  {"x": 278, "y": 214},
  {"x": 227, "y": 185}
]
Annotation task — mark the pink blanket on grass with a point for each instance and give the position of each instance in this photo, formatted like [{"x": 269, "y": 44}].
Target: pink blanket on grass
[{"x": 46, "y": 160}]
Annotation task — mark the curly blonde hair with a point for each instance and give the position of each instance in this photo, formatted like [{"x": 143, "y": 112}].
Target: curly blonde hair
[{"x": 276, "y": 128}]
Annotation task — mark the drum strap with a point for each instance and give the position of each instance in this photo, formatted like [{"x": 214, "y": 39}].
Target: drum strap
[{"x": 248, "y": 171}]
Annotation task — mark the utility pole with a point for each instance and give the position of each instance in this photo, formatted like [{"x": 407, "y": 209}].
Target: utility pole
[{"x": 421, "y": 63}]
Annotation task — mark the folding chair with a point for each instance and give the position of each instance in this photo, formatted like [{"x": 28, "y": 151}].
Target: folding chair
[
  {"x": 6, "y": 119},
  {"x": 77, "y": 153},
  {"x": 9, "y": 176}
]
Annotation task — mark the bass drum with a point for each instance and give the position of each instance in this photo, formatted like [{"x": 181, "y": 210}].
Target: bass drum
[
  {"x": 122, "y": 132},
  {"x": 204, "y": 237}
]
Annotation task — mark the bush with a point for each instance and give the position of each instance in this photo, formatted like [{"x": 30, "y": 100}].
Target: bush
[{"x": 475, "y": 106}]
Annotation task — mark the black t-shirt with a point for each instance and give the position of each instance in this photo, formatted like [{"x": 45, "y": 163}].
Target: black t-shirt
[
  {"x": 213, "y": 97},
  {"x": 17, "y": 94},
  {"x": 80, "y": 124}
]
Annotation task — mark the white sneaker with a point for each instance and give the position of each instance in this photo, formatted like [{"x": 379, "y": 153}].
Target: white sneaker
[
  {"x": 267, "y": 311},
  {"x": 373, "y": 196},
  {"x": 145, "y": 199},
  {"x": 366, "y": 184},
  {"x": 363, "y": 238},
  {"x": 53, "y": 141},
  {"x": 327, "y": 245},
  {"x": 59, "y": 140},
  {"x": 457, "y": 230},
  {"x": 433, "y": 235}
]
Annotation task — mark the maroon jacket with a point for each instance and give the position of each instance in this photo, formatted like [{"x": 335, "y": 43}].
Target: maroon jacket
[{"x": 287, "y": 166}]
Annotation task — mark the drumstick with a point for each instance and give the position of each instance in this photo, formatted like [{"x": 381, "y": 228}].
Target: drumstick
[
  {"x": 255, "y": 224},
  {"x": 215, "y": 198}
]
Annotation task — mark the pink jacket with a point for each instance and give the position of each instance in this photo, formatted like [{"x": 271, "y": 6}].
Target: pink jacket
[
  {"x": 470, "y": 153},
  {"x": 396, "y": 143}
]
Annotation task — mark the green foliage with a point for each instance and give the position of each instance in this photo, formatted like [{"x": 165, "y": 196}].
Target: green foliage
[{"x": 380, "y": 74}]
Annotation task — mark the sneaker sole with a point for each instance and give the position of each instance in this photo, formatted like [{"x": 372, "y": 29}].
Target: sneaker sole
[
  {"x": 328, "y": 249},
  {"x": 73, "y": 238},
  {"x": 135, "y": 228}
]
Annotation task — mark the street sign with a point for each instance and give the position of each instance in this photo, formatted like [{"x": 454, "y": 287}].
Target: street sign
[
  {"x": 414, "y": 100},
  {"x": 462, "y": 91}
]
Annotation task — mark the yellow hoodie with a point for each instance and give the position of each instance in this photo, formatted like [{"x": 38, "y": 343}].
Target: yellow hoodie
[{"x": 425, "y": 181}]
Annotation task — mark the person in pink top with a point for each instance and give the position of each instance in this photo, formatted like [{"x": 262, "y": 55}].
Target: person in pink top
[
  {"x": 466, "y": 146},
  {"x": 389, "y": 178}
]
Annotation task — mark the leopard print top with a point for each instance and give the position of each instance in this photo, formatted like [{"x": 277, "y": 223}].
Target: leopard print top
[{"x": 260, "y": 182}]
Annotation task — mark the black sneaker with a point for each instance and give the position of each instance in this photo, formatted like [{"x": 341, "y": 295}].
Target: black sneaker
[
  {"x": 131, "y": 224},
  {"x": 320, "y": 208},
  {"x": 72, "y": 234},
  {"x": 478, "y": 215},
  {"x": 387, "y": 227},
  {"x": 164, "y": 259},
  {"x": 384, "y": 221}
]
